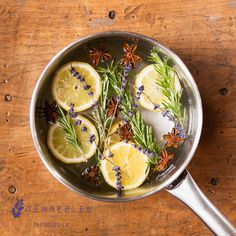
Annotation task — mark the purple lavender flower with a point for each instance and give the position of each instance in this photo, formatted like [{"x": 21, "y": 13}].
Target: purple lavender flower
[
  {"x": 127, "y": 69},
  {"x": 123, "y": 82},
  {"x": 90, "y": 93},
  {"x": 118, "y": 99},
  {"x": 116, "y": 168},
  {"x": 177, "y": 125},
  {"x": 139, "y": 92},
  {"x": 87, "y": 87},
  {"x": 124, "y": 79},
  {"x": 168, "y": 114},
  {"x": 140, "y": 148},
  {"x": 74, "y": 72},
  {"x": 78, "y": 122},
  {"x": 130, "y": 113},
  {"x": 149, "y": 153},
  {"x": 92, "y": 138},
  {"x": 125, "y": 121},
  {"x": 71, "y": 107},
  {"x": 152, "y": 154},
  {"x": 165, "y": 113},
  {"x": 134, "y": 145},
  {"x": 81, "y": 79},
  {"x": 84, "y": 129},
  {"x": 110, "y": 155},
  {"x": 146, "y": 151},
  {"x": 181, "y": 133},
  {"x": 135, "y": 105},
  {"x": 141, "y": 88},
  {"x": 95, "y": 105},
  {"x": 118, "y": 180},
  {"x": 77, "y": 75},
  {"x": 72, "y": 112},
  {"x": 156, "y": 106}
]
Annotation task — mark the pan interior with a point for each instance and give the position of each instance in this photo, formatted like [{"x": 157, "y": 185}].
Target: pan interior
[{"x": 69, "y": 173}]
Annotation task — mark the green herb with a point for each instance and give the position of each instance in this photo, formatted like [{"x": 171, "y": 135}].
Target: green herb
[
  {"x": 113, "y": 74},
  {"x": 171, "y": 102},
  {"x": 143, "y": 133},
  {"x": 69, "y": 130},
  {"x": 100, "y": 114}
]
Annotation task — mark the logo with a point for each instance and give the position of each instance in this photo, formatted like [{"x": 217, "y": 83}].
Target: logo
[
  {"x": 18, "y": 208},
  {"x": 50, "y": 210}
]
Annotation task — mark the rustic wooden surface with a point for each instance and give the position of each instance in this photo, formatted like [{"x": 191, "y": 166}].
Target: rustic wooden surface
[{"x": 201, "y": 32}]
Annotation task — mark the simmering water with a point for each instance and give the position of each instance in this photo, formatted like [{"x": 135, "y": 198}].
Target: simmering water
[{"x": 161, "y": 125}]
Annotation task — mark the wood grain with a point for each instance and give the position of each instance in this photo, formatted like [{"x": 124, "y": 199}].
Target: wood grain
[{"x": 202, "y": 33}]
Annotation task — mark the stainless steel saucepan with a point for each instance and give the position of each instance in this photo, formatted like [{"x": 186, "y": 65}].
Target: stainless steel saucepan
[{"x": 176, "y": 180}]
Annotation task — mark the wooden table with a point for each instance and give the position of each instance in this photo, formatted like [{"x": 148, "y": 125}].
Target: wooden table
[{"x": 202, "y": 33}]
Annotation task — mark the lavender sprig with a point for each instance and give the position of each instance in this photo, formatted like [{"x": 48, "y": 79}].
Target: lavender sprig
[
  {"x": 99, "y": 112},
  {"x": 81, "y": 78},
  {"x": 139, "y": 92},
  {"x": 72, "y": 112},
  {"x": 119, "y": 186},
  {"x": 124, "y": 78}
]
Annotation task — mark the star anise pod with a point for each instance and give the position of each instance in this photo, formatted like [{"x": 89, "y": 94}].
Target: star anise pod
[
  {"x": 51, "y": 111},
  {"x": 112, "y": 107},
  {"x": 164, "y": 160},
  {"x": 125, "y": 132},
  {"x": 99, "y": 54},
  {"x": 91, "y": 174},
  {"x": 129, "y": 56},
  {"x": 173, "y": 139}
]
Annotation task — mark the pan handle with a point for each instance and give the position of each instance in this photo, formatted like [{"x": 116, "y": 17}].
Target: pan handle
[{"x": 187, "y": 191}]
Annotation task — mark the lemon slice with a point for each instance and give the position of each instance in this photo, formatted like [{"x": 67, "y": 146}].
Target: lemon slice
[
  {"x": 64, "y": 151},
  {"x": 133, "y": 164},
  {"x": 114, "y": 137},
  {"x": 67, "y": 89},
  {"x": 148, "y": 78}
]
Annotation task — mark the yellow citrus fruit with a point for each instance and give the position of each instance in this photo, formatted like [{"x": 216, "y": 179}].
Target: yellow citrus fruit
[
  {"x": 64, "y": 151},
  {"x": 133, "y": 165},
  {"x": 67, "y": 89},
  {"x": 114, "y": 137},
  {"x": 152, "y": 92}
]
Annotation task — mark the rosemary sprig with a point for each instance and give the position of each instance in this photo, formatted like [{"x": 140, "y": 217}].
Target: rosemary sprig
[
  {"x": 69, "y": 129},
  {"x": 100, "y": 114},
  {"x": 143, "y": 133},
  {"x": 171, "y": 102},
  {"x": 113, "y": 75},
  {"x": 107, "y": 120}
]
